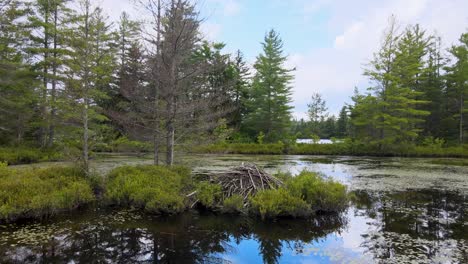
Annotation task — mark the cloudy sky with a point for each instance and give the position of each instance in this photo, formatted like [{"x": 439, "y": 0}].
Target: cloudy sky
[{"x": 328, "y": 41}]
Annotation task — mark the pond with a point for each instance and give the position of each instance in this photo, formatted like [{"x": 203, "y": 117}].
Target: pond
[{"x": 404, "y": 210}]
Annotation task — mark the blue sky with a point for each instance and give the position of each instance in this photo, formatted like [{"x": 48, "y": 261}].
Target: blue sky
[{"x": 328, "y": 41}]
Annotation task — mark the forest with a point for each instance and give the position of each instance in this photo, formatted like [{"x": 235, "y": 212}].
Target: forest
[{"x": 74, "y": 83}]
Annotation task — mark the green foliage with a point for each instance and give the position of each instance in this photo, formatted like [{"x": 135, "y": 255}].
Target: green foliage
[
  {"x": 41, "y": 192},
  {"x": 278, "y": 203},
  {"x": 23, "y": 155},
  {"x": 346, "y": 147},
  {"x": 269, "y": 109},
  {"x": 320, "y": 193},
  {"x": 152, "y": 188},
  {"x": 233, "y": 204},
  {"x": 209, "y": 194},
  {"x": 123, "y": 144},
  {"x": 260, "y": 137}
]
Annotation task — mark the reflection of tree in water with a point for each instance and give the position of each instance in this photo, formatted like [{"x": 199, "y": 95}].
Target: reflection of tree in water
[
  {"x": 415, "y": 224},
  {"x": 187, "y": 238}
]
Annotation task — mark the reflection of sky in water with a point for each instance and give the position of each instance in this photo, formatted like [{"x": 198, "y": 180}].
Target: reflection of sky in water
[{"x": 344, "y": 247}]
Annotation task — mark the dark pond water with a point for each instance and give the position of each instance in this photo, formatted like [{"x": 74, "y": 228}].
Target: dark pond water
[{"x": 404, "y": 211}]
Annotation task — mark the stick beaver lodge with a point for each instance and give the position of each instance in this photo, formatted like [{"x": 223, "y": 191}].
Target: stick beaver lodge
[{"x": 249, "y": 189}]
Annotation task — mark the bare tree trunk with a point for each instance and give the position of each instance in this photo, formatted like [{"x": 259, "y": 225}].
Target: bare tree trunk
[
  {"x": 170, "y": 144},
  {"x": 85, "y": 139},
  {"x": 461, "y": 118},
  {"x": 156, "y": 98},
  {"x": 53, "y": 112},
  {"x": 43, "y": 129}
]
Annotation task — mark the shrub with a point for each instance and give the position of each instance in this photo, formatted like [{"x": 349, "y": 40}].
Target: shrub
[
  {"x": 23, "y": 155},
  {"x": 209, "y": 194},
  {"x": 152, "y": 188},
  {"x": 320, "y": 193},
  {"x": 278, "y": 203},
  {"x": 233, "y": 204},
  {"x": 26, "y": 193}
]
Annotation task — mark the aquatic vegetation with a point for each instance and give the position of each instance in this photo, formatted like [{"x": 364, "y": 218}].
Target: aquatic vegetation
[
  {"x": 279, "y": 203},
  {"x": 208, "y": 194},
  {"x": 346, "y": 147},
  {"x": 233, "y": 204},
  {"x": 153, "y": 188},
  {"x": 322, "y": 194},
  {"x": 26, "y": 193}
]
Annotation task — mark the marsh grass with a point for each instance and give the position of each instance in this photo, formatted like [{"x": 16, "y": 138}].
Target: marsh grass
[
  {"x": 301, "y": 196},
  {"x": 152, "y": 188},
  {"x": 41, "y": 192},
  {"x": 23, "y": 155},
  {"x": 344, "y": 148}
]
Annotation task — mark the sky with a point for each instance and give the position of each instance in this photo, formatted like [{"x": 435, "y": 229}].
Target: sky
[{"x": 329, "y": 42}]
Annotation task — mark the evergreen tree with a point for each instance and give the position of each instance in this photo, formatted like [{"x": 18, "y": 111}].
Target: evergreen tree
[
  {"x": 90, "y": 71},
  {"x": 270, "y": 112},
  {"x": 17, "y": 80},
  {"x": 317, "y": 112},
  {"x": 241, "y": 91},
  {"x": 457, "y": 85},
  {"x": 342, "y": 123},
  {"x": 49, "y": 20},
  {"x": 398, "y": 116}
]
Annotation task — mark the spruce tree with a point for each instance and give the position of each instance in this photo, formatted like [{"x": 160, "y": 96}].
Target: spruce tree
[{"x": 270, "y": 112}]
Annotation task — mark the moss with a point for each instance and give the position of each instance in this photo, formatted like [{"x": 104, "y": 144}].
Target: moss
[
  {"x": 233, "y": 204},
  {"x": 209, "y": 194},
  {"x": 322, "y": 194},
  {"x": 152, "y": 188},
  {"x": 35, "y": 193},
  {"x": 279, "y": 203}
]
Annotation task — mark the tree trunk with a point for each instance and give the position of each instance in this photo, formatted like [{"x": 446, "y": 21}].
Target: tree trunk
[
  {"x": 85, "y": 138},
  {"x": 53, "y": 112},
  {"x": 156, "y": 148},
  {"x": 45, "y": 80},
  {"x": 461, "y": 117},
  {"x": 170, "y": 144}
]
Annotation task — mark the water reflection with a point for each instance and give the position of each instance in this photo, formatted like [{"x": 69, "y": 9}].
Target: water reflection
[
  {"x": 128, "y": 237},
  {"x": 424, "y": 226}
]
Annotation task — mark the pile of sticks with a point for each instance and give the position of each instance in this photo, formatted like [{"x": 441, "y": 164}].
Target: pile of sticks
[{"x": 246, "y": 180}]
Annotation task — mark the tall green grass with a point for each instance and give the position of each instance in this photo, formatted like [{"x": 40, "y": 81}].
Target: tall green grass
[
  {"x": 23, "y": 155},
  {"x": 36, "y": 193},
  {"x": 346, "y": 148},
  {"x": 301, "y": 196},
  {"x": 154, "y": 189}
]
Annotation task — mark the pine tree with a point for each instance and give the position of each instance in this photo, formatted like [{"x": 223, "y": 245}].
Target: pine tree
[
  {"x": 241, "y": 91},
  {"x": 317, "y": 112},
  {"x": 270, "y": 112},
  {"x": 398, "y": 116},
  {"x": 342, "y": 123},
  {"x": 91, "y": 65},
  {"x": 49, "y": 20},
  {"x": 457, "y": 85},
  {"x": 17, "y": 80}
]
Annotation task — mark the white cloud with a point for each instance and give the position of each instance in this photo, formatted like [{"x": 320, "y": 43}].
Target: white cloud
[
  {"x": 229, "y": 7},
  {"x": 211, "y": 31},
  {"x": 358, "y": 25}
]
